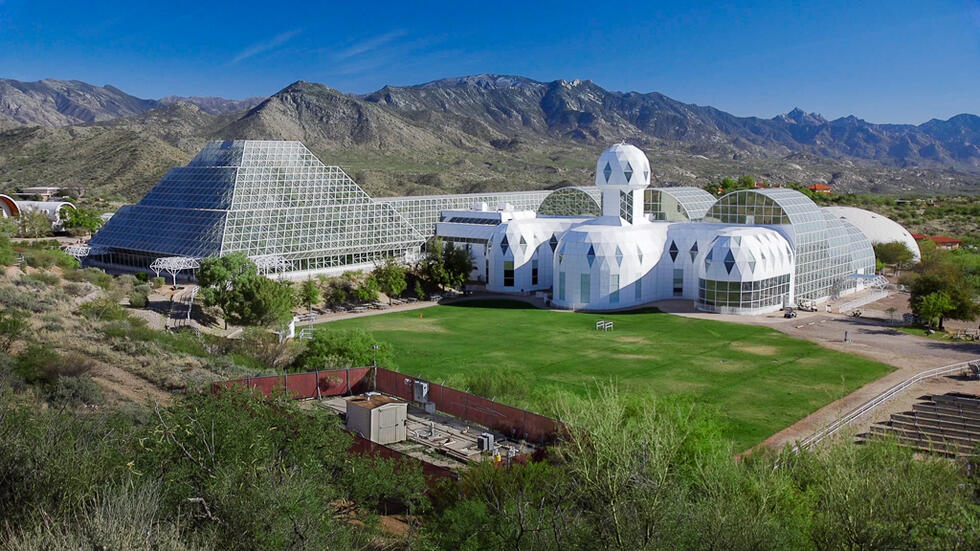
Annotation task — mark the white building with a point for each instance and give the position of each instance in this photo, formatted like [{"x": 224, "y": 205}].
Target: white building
[{"x": 749, "y": 252}]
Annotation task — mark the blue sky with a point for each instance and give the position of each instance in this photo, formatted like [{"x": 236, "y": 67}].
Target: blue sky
[{"x": 891, "y": 61}]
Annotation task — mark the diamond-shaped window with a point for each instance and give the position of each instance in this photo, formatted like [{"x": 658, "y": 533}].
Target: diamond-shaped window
[
  {"x": 619, "y": 256},
  {"x": 646, "y": 174},
  {"x": 504, "y": 245},
  {"x": 591, "y": 255},
  {"x": 553, "y": 242},
  {"x": 708, "y": 258},
  {"x": 523, "y": 243},
  {"x": 639, "y": 253},
  {"x": 694, "y": 251},
  {"x": 729, "y": 261},
  {"x": 751, "y": 261},
  {"x": 673, "y": 251},
  {"x": 628, "y": 171},
  {"x": 607, "y": 172}
]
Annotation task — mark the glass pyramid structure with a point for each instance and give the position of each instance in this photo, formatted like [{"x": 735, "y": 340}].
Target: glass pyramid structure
[{"x": 263, "y": 198}]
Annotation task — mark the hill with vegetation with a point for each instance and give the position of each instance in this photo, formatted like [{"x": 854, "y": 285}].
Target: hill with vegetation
[{"x": 469, "y": 134}]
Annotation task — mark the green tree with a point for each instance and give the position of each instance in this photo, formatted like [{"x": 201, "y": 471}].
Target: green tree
[
  {"x": 367, "y": 291},
  {"x": 895, "y": 254},
  {"x": 82, "y": 218},
  {"x": 937, "y": 274},
  {"x": 390, "y": 276},
  {"x": 33, "y": 223},
  {"x": 331, "y": 349},
  {"x": 219, "y": 276},
  {"x": 7, "y": 229},
  {"x": 258, "y": 300},
  {"x": 935, "y": 305},
  {"x": 309, "y": 293},
  {"x": 13, "y": 325},
  {"x": 445, "y": 265}
]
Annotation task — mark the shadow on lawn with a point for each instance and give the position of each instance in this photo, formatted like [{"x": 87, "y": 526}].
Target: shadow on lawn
[{"x": 504, "y": 304}]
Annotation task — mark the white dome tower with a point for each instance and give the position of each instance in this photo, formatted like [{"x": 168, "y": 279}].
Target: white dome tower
[{"x": 622, "y": 173}]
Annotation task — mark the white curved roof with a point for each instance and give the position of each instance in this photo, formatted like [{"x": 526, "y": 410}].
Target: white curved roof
[
  {"x": 877, "y": 228},
  {"x": 745, "y": 254},
  {"x": 624, "y": 167}
]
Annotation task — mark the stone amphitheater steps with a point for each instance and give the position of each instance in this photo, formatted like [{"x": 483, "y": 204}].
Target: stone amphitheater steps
[{"x": 947, "y": 424}]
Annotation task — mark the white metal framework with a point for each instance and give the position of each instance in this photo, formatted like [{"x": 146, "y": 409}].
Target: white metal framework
[
  {"x": 81, "y": 251},
  {"x": 270, "y": 264},
  {"x": 173, "y": 265}
]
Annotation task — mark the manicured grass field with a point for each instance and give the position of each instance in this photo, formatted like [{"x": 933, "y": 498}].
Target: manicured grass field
[{"x": 759, "y": 380}]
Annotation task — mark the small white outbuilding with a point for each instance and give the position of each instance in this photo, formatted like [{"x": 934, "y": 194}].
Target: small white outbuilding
[{"x": 377, "y": 417}]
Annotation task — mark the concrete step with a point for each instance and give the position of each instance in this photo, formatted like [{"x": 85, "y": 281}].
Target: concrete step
[
  {"x": 938, "y": 431},
  {"x": 924, "y": 435},
  {"x": 937, "y": 422},
  {"x": 946, "y": 411}
]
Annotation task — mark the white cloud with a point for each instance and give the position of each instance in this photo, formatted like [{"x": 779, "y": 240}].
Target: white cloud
[
  {"x": 265, "y": 46},
  {"x": 368, "y": 45}
]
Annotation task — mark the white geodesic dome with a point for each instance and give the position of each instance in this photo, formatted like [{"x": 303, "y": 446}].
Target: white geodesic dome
[
  {"x": 623, "y": 167},
  {"x": 600, "y": 266}
]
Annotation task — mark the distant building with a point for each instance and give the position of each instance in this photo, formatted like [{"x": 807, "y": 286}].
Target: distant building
[
  {"x": 54, "y": 210},
  {"x": 942, "y": 241},
  {"x": 820, "y": 188},
  {"x": 43, "y": 192}
]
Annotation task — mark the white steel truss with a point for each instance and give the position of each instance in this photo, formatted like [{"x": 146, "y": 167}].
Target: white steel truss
[{"x": 173, "y": 265}]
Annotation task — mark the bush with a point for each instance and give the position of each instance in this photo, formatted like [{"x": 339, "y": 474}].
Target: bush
[
  {"x": 38, "y": 280},
  {"x": 94, "y": 276},
  {"x": 345, "y": 348},
  {"x": 142, "y": 277},
  {"x": 74, "y": 392},
  {"x": 158, "y": 282},
  {"x": 40, "y": 364},
  {"x": 77, "y": 288},
  {"x": 138, "y": 299},
  {"x": 102, "y": 309}
]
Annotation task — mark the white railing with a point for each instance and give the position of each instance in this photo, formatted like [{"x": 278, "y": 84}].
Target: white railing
[
  {"x": 871, "y": 404},
  {"x": 866, "y": 299}
]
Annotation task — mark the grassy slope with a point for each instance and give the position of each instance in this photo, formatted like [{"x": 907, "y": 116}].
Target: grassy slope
[{"x": 760, "y": 380}]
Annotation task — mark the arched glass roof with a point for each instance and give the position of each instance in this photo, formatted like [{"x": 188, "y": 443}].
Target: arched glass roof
[
  {"x": 815, "y": 269},
  {"x": 676, "y": 204},
  {"x": 571, "y": 201}
]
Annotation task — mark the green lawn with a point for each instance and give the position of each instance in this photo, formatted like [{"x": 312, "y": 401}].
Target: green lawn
[{"x": 758, "y": 379}]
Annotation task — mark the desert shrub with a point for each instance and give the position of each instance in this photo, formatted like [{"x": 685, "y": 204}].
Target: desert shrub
[
  {"x": 53, "y": 461},
  {"x": 40, "y": 364},
  {"x": 38, "y": 280},
  {"x": 142, "y": 277},
  {"x": 77, "y": 288},
  {"x": 272, "y": 475},
  {"x": 13, "y": 326},
  {"x": 74, "y": 392},
  {"x": 124, "y": 516},
  {"x": 158, "y": 282},
  {"x": 94, "y": 276},
  {"x": 331, "y": 349},
  {"x": 138, "y": 299},
  {"x": 52, "y": 321},
  {"x": 102, "y": 309}
]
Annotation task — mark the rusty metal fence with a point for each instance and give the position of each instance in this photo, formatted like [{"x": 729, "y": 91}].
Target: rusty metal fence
[{"x": 512, "y": 422}]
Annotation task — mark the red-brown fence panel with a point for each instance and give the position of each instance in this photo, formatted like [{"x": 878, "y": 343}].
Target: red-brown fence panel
[
  {"x": 452, "y": 402},
  {"x": 301, "y": 386},
  {"x": 360, "y": 379},
  {"x": 268, "y": 385},
  {"x": 394, "y": 383},
  {"x": 332, "y": 383}
]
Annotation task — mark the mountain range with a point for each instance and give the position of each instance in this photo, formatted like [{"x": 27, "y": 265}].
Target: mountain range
[{"x": 474, "y": 133}]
